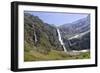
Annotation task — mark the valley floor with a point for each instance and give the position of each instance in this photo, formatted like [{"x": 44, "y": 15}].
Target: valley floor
[{"x": 54, "y": 55}]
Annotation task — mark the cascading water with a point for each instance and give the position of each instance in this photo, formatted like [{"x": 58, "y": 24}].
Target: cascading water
[
  {"x": 61, "y": 41},
  {"x": 35, "y": 36}
]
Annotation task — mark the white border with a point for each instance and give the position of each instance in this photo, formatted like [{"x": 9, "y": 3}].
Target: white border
[{"x": 22, "y": 64}]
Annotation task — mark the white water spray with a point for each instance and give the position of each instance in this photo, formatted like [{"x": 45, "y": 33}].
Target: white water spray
[
  {"x": 35, "y": 37},
  {"x": 61, "y": 41}
]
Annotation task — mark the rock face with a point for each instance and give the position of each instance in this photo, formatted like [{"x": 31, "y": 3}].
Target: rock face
[
  {"x": 39, "y": 35},
  {"x": 76, "y": 35}
]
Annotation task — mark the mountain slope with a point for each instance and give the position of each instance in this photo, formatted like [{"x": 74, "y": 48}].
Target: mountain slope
[
  {"x": 76, "y": 35},
  {"x": 40, "y": 34},
  {"x": 79, "y": 26}
]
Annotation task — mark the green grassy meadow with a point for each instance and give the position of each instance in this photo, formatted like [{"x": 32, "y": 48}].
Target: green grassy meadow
[{"x": 34, "y": 55}]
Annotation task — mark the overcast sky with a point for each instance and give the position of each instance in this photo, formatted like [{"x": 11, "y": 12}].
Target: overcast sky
[{"x": 58, "y": 18}]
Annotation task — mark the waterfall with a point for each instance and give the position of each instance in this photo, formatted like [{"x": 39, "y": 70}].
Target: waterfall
[
  {"x": 61, "y": 41},
  {"x": 35, "y": 37}
]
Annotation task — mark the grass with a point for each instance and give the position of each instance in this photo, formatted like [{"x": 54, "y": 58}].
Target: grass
[{"x": 34, "y": 55}]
